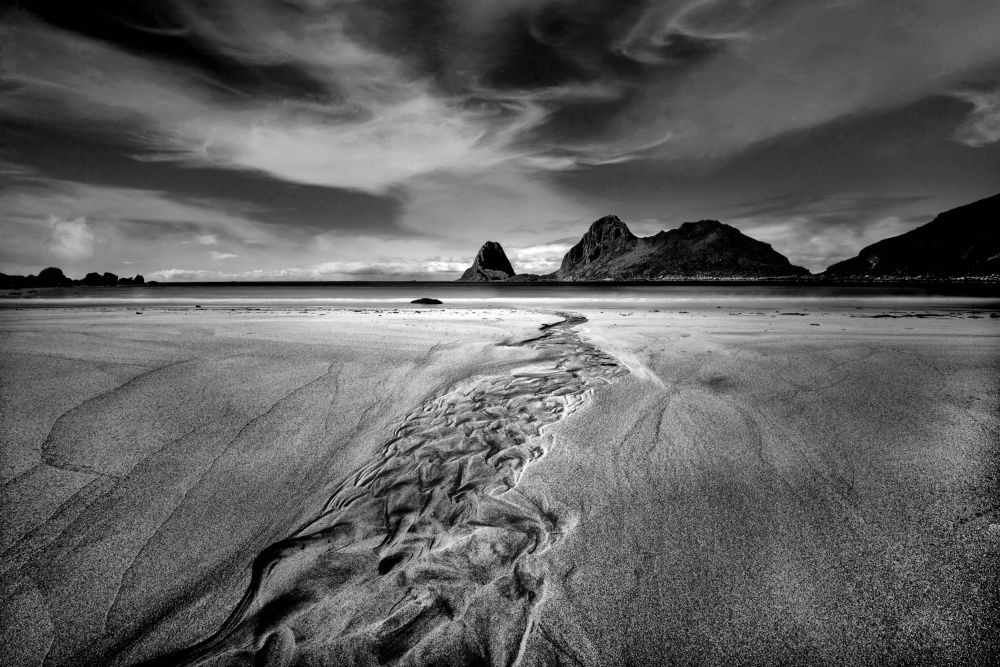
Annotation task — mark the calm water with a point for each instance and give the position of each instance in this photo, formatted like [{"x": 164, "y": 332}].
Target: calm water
[{"x": 540, "y": 295}]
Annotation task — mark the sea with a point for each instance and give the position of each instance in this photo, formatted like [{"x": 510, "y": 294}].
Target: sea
[{"x": 380, "y": 295}]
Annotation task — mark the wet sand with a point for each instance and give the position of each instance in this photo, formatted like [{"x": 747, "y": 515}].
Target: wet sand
[
  {"x": 459, "y": 487},
  {"x": 761, "y": 490}
]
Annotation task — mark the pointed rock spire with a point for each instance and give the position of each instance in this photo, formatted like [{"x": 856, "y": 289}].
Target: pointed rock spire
[
  {"x": 607, "y": 237},
  {"x": 491, "y": 264}
]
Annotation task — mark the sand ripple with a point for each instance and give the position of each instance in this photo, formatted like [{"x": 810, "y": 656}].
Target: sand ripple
[{"x": 426, "y": 554}]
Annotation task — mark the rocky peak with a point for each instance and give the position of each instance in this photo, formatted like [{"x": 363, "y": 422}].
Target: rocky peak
[
  {"x": 703, "y": 227},
  {"x": 607, "y": 237},
  {"x": 491, "y": 263}
]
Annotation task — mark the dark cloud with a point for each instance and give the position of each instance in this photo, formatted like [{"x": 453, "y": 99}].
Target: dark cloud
[
  {"x": 904, "y": 152},
  {"x": 158, "y": 30}
]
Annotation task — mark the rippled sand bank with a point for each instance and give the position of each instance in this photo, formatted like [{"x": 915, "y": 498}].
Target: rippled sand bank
[
  {"x": 149, "y": 459},
  {"x": 459, "y": 487}
]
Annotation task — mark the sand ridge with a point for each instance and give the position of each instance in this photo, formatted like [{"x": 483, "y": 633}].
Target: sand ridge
[{"x": 425, "y": 555}]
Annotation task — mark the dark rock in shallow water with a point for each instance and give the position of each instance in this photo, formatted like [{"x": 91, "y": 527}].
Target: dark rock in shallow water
[
  {"x": 425, "y": 301},
  {"x": 964, "y": 241},
  {"x": 491, "y": 263}
]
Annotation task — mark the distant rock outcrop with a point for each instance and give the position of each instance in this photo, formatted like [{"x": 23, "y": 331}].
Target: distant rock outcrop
[
  {"x": 705, "y": 249},
  {"x": 962, "y": 242},
  {"x": 491, "y": 264},
  {"x": 533, "y": 278},
  {"x": 54, "y": 277},
  {"x": 426, "y": 301}
]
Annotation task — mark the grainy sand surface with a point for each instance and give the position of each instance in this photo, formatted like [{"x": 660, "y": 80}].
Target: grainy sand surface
[
  {"x": 458, "y": 487},
  {"x": 763, "y": 491}
]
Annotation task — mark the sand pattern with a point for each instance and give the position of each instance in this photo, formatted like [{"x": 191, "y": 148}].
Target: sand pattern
[{"x": 428, "y": 554}]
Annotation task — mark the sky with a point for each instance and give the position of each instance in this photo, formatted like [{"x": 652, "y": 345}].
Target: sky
[{"x": 389, "y": 139}]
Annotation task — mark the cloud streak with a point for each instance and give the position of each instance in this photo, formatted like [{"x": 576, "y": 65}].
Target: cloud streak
[
  {"x": 386, "y": 103},
  {"x": 815, "y": 231},
  {"x": 983, "y": 125},
  {"x": 38, "y": 200},
  {"x": 379, "y": 129},
  {"x": 46, "y": 220}
]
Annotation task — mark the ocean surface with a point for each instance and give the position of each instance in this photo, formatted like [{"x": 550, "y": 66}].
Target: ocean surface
[{"x": 509, "y": 295}]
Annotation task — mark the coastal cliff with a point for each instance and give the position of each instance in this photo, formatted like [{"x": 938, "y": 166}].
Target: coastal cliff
[{"x": 964, "y": 241}]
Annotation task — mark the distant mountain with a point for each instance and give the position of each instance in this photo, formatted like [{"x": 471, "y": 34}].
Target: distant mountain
[
  {"x": 705, "y": 249},
  {"x": 964, "y": 241},
  {"x": 491, "y": 264}
]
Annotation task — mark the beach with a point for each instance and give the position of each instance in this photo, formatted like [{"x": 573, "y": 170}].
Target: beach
[{"x": 579, "y": 483}]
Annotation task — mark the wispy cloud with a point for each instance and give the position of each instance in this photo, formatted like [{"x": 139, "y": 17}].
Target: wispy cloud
[
  {"x": 388, "y": 127},
  {"x": 41, "y": 199},
  {"x": 221, "y": 255},
  {"x": 983, "y": 125},
  {"x": 540, "y": 259},
  {"x": 46, "y": 220},
  {"x": 816, "y": 231},
  {"x": 716, "y": 77}
]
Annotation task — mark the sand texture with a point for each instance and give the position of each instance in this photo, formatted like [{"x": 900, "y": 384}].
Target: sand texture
[
  {"x": 148, "y": 460},
  {"x": 619, "y": 486},
  {"x": 420, "y": 558},
  {"x": 765, "y": 491}
]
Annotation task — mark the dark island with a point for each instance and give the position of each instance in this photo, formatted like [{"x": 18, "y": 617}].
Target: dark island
[
  {"x": 54, "y": 277},
  {"x": 959, "y": 245},
  {"x": 609, "y": 251}
]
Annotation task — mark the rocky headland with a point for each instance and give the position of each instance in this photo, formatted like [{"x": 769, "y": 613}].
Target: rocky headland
[{"x": 961, "y": 243}]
